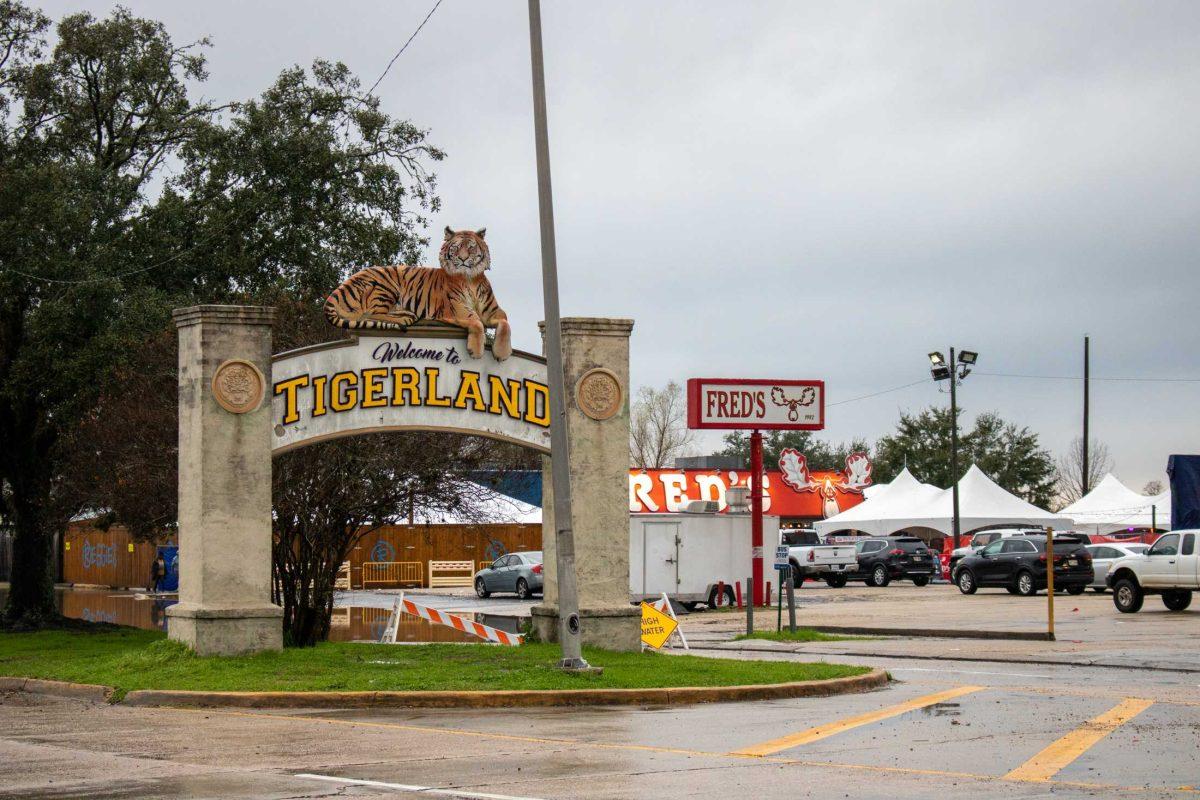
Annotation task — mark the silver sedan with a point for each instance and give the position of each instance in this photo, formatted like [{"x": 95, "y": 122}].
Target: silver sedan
[
  {"x": 1103, "y": 555},
  {"x": 516, "y": 572}
]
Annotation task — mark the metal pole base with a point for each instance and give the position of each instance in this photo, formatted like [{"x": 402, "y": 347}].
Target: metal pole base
[{"x": 579, "y": 666}]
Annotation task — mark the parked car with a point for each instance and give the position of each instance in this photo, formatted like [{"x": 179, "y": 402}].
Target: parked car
[
  {"x": 811, "y": 559},
  {"x": 515, "y": 572},
  {"x": 1103, "y": 556},
  {"x": 983, "y": 538},
  {"x": 1018, "y": 564},
  {"x": 885, "y": 559},
  {"x": 1171, "y": 568}
]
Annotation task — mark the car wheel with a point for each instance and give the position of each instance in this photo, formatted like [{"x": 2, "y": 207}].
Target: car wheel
[
  {"x": 1099, "y": 589},
  {"x": 1075, "y": 589},
  {"x": 716, "y": 599},
  {"x": 1025, "y": 585},
  {"x": 921, "y": 580},
  {"x": 797, "y": 576},
  {"x": 966, "y": 582},
  {"x": 522, "y": 589},
  {"x": 1177, "y": 599},
  {"x": 879, "y": 576},
  {"x": 1128, "y": 596},
  {"x": 481, "y": 589},
  {"x": 836, "y": 581}
]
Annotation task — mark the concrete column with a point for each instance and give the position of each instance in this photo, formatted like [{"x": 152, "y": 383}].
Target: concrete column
[
  {"x": 596, "y": 367},
  {"x": 225, "y": 482}
]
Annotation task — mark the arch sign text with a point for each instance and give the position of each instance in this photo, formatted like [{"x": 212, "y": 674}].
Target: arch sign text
[{"x": 420, "y": 380}]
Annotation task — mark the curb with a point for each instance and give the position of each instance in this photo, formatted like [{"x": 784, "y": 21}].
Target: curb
[
  {"x": 81, "y": 691},
  {"x": 936, "y": 633},
  {"x": 684, "y": 695}
]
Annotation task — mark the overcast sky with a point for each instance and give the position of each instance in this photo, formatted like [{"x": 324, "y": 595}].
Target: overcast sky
[{"x": 816, "y": 190}]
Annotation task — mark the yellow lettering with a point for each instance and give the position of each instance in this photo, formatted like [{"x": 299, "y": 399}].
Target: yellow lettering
[
  {"x": 432, "y": 398},
  {"x": 339, "y": 400},
  {"x": 372, "y": 383},
  {"x": 510, "y": 397},
  {"x": 535, "y": 392},
  {"x": 470, "y": 388},
  {"x": 289, "y": 389},
  {"x": 319, "y": 395},
  {"x": 406, "y": 380}
]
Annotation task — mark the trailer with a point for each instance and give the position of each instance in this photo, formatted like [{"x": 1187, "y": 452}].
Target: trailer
[{"x": 690, "y": 556}]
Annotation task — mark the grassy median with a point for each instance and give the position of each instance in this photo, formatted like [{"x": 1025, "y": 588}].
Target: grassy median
[
  {"x": 129, "y": 659},
  {"x": 799, "y": 635}
]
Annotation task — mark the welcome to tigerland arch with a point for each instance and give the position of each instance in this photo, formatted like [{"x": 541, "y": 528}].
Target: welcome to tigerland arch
[{"x": 239, "y": 406}]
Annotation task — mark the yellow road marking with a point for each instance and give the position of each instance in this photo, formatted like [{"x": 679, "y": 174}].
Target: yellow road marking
[
  {"x": 839, "y": 726},
  {"x": 677, "y": 750},
  {"x": 1046, "y": 764}
]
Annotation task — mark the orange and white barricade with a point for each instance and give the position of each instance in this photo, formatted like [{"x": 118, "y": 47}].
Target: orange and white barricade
[{"x": 486, "y": 632}]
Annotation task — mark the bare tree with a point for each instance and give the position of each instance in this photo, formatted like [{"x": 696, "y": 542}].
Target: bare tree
[
  {"x": 1069, "y": 469},
  {"x": 1153, "y": 487},
  {"x": 658, "y": 430}
]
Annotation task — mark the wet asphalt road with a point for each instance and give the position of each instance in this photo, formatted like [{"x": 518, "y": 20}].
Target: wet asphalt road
[{"x": 989, "y": 729}]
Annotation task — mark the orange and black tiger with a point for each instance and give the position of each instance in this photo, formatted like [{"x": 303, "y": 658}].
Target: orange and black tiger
[{"x": 455, "y": 292}]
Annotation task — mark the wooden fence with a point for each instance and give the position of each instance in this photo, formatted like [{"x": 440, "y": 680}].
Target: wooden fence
[{"x": 106, "y": 558}]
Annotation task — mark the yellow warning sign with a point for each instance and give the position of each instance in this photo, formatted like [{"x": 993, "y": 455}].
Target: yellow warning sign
[{"x": 657, "y": 627}]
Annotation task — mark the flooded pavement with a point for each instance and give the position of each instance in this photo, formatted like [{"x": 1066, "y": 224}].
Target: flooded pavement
[{"x": 357, "y": 616}]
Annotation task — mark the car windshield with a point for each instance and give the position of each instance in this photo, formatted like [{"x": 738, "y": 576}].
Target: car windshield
[
  {"x": 911, "y": 545},
  {"x": 1062, "y": 544},
  {"x": 533, "y": 557}
]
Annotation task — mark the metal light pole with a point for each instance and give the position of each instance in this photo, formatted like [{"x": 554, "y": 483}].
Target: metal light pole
[
  {"x": 1084, "y": 483},
  {"x": 560, "y": 473},
  {"x": 957, "y": 369}
]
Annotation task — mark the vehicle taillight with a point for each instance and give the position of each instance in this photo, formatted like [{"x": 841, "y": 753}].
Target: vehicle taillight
[
  {"x": 896, "y": 552},
  {"x": 537, "y": 569},
  {"x": 1042, "y": 557},
  {"x": 812, "y": 556}
]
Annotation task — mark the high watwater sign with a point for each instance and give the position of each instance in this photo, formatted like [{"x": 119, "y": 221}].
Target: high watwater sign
[{"x": 756, "y": 405}]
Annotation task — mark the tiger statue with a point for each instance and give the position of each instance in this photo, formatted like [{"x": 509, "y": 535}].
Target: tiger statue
[{"x": 456, "y": 292}]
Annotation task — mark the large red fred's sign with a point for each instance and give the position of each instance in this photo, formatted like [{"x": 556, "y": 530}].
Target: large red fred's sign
[{"x": 743, "y": 404}]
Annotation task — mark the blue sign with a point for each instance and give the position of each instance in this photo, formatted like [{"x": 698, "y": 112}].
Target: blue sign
[{"x": 383, "y": 551}]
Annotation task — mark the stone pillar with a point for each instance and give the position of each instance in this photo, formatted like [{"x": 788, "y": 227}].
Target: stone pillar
[
  {"x": 225, "y": 482},
  {"x": 596, "y": 371}
]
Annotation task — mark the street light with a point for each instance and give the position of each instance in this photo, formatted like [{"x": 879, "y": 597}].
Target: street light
[{"x": 954, "y": 372}]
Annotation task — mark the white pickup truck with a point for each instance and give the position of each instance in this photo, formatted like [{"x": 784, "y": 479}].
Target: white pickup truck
[
  {"x": 1171, "y": 568},
  {"x": 811, "y": 559}
]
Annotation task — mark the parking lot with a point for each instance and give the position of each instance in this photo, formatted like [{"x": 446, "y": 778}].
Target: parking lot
[{"x": 1112, "y": 707}]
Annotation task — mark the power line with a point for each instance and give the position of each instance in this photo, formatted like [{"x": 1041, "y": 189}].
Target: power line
[
  {"x": 404, "y": 47},
  {"x": 1093, "y": 377},
  {"x": 876, "y": 394}
]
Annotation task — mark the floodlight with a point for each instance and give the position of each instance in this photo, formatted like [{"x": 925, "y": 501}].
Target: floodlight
[
  {"x": 936, "y": 359},
  {"x": 964, "y": 371},
  {"x": 968, "y": 357},
  {"x": 940, "y": 373}
]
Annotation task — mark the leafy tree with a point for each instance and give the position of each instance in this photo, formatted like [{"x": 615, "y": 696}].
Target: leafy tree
[
  {"x": 1153, "y": 487},
  {"x": 658, "y": 430},
  {"x": 1010, "y": 455},
  {"x": 821, "y": 455},
  {"x": 277, "y": 197}
]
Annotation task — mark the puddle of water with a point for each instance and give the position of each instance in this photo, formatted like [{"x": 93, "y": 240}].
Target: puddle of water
[
  {"x": 942, "y": 710},
  {"x": 349, "y": 624}
]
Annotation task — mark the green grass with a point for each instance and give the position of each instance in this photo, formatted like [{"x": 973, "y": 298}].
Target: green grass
[
  {"x": 801, "y": 635},
  {"x": 136, "y": 659}
]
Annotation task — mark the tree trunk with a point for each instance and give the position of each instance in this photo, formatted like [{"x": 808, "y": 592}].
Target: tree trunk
[{"x": 31, "y": 587}]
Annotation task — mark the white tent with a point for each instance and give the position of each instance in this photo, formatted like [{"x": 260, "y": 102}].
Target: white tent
[
  {"x": 981, "y": 503},
  {"x": 887, "y": 509},
  {"x": 486, "y": 505},
  {"x": 1112, "y": 506}
]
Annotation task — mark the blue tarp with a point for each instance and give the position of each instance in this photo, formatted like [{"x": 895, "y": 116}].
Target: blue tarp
[{"x": 1184, "y": 472}]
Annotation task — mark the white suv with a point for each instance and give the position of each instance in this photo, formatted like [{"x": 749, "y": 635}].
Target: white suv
[{"x": 1171, "y": 568}]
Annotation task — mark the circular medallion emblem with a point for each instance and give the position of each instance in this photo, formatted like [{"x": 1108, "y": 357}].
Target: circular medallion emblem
[
  {"x": 598, "y": 393},
  {"x": 238, "y": 386}
]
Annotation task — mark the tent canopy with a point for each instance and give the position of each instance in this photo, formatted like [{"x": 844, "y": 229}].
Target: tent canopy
[
  {"x": 486, "y": 505},
  {"x": 982, "y": 504},
  {"x": 1112, "y": 506}
]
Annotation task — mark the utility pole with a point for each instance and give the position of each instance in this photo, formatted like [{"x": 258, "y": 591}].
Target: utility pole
[
  {"x": 954, "y": 444},
  {"x": 1084, "y": 482},
  {"x": 560, "y": 454}
]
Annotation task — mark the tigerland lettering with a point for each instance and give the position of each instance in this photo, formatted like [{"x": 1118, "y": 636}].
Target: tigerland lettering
[{"x": 379, "y": 387}]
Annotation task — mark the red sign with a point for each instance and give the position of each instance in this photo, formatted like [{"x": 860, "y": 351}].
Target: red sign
[
  {"x": 790, "y": 492},
  {"x": 746, "y": 404}
]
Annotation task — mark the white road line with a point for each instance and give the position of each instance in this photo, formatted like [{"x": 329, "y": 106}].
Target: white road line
[
  {"x": 407, "y": 788},
  {"x": 969, "y": 672}
]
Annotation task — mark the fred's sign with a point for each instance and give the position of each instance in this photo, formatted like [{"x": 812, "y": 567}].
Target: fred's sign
[{"x": 736, "y": 404}]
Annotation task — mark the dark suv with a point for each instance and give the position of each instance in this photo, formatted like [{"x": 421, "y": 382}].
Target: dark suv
[
  {"x": 1018, "y": 564},
  {"x": 884, "y": 559}
]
